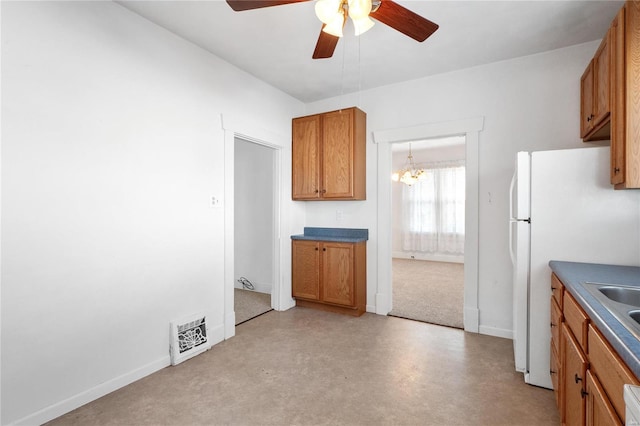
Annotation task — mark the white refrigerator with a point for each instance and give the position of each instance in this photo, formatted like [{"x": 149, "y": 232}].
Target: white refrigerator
[{"x": 562, "y": 208}]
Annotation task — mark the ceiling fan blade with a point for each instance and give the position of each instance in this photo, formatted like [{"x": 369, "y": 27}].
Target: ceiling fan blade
[
  {"x": 325, "y": 46},
  {"x": 240, "y": 5},
  {"x": 402, "y": 19}
]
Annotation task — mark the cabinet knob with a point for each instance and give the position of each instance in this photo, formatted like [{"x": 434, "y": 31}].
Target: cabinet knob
[
  {"x": 616, "y": 170},
  {"x": 324, "y": 191},
  {"x": 324, "y": 249},
  {"x": 583, "y": 393},
  {"x": 553, "y": 325},
  {"x": 316, "y": 248},
  {"x": 316, "y": 191},
  {"x": 577, "y": 378},
  {"x": 589, "y": 118}
]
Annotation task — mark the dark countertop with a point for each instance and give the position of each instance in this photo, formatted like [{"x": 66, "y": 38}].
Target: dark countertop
[
  {"x": 573, "y": 275},
  {"x": 341, "y": 235}
]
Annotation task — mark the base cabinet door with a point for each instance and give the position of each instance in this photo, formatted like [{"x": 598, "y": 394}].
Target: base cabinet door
[
  {"x": 574, "y": 372},
  {"x": 337, "y": 273},
  {"x": 305, "y": 275},
  {"x": 600, "y": 412}
]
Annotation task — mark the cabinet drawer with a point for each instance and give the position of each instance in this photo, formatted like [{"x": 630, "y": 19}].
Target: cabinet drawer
[
  {"x": 556, "y": 320},
  {"x": 610, "y": 370},
  {"x": 557, "y": 290},
  {"x": 576, "y": 320}
]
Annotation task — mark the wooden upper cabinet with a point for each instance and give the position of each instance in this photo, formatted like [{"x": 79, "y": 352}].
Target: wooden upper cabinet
[
  {"x": 595, "y": 90},
  {"x": 328, "y": 156},
  {"x": 625, "y": 115}
]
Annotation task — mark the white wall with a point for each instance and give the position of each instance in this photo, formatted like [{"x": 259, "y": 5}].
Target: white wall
[
  {"x": 529, "y": 103},
  {"x": 112, "y": 148},
  {"x": 254, "y": 215}
]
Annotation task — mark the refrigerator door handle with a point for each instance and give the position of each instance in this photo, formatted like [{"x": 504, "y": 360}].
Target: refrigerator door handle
[
  {"x": 512, "y": 253},
  {"x": 511, "y": 197}
]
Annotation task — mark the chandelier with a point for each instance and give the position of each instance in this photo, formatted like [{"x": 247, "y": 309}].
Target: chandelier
[
  {"x": 333, "y": 13},
  {"x": 409, "y": 174}
]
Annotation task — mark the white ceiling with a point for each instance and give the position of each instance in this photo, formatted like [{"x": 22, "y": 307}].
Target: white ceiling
[{"x": 275, "y": 44}]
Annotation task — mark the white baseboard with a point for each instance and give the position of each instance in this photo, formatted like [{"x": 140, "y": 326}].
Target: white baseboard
[
  {"x": 471, "y": 319},
  {"x": 216, "y": 335},
  {"x": 289, "y": 303},
  {"x": 496, "y": 332},
  {"x": 434, "y": 257},
  {"x": 69, "y": 404}
]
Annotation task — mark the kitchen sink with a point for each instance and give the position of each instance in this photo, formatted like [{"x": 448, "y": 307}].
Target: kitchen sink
[
  {"x": 626, "y": 295},
  {"x": 622, "y": 301}
]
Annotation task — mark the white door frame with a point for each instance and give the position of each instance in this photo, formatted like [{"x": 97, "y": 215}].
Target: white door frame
[
  {"x": 470, "y": 128},
  {"x": 239, "y": 129}
]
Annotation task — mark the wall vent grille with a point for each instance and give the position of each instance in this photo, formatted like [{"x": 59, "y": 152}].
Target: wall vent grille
[{"x": 188, "y": 338}]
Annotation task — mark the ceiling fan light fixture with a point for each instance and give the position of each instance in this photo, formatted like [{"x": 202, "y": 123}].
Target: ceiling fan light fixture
[
  {"x": 359, "y": 9},
  {"x": 362, "y": 25},
  {"x": 328, "y": 10},
  {"x": 335, "y": 26}
]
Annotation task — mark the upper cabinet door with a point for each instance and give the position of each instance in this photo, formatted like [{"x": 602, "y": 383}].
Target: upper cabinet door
[
  {"x": 602, "y": 81},
  {"x": 586, "y": 102},
  {"x": 337, "y": 154},
  {"x": 306, "y": 157}
]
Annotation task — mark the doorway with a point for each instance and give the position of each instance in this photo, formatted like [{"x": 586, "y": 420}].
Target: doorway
[
  {"x": 254, "y": 229},
  {"x": 470, "y": 128},
  {"x": 428, "y": 217}
]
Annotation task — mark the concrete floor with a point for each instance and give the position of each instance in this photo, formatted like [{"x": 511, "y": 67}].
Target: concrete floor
[{"x": 307, "y": 367}]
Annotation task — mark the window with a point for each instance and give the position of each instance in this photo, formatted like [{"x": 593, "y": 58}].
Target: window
[{"x": 433, "y": 210}]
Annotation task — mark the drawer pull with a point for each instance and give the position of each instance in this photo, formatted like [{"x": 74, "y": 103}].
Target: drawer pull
[
  {"x": 577, "y": 378},
  {"x": 583, "y": 393}
]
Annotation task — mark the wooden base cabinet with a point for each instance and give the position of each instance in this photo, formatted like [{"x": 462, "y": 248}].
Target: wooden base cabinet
[
  {"x": 590, "y": 374},
  {"x": 331, "y": 276}
]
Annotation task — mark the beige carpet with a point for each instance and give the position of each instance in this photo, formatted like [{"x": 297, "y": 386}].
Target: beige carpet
[
  {"x": 426, "y": 291},
  {"x": 249, "y": 304}
]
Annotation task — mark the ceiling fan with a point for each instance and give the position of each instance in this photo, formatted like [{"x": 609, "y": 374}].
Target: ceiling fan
[{"x": 333, "y": 14}]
